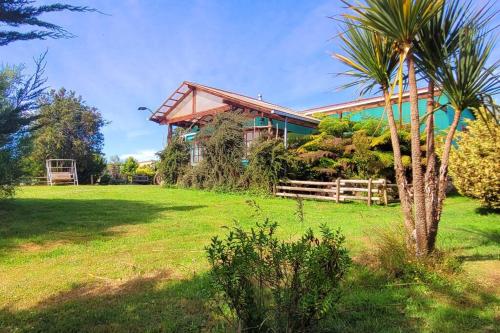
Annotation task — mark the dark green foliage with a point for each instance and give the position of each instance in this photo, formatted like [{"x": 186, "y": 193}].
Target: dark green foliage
[
  {"x": 105, "y": 179},
  {"x": 67, "y": 128},
  {"x": 174, "y": 159},
  {"x": 223, "y": 150},
  {"x": 274, "y": 286},
  {"x": 268, "y": 162},
  {"x": 22, "y": 13},
  {"x": 18, "y": 100}
]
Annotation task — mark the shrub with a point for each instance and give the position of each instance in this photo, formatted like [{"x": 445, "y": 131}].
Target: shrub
[
  {"x": 105, "y": 179},
  {"x": 335, "y": 126},
  {"x": 268, "y": 162},
  {"x": 394, "y": 257},
  {"x": 475, "y": 160},
  {"x": 269, "y": 285},
  {"x": 145, "y": 171},
  {"x": 371, "y": 126},
  {"x": 223, "y": 149},
  {"x": 174, "y": 159}
]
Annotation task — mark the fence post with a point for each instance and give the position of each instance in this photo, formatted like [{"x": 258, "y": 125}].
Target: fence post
[
  {"x": 385, "y": 191},
  {"x": 369, "y": 192},
  {"x": 337, "y": 193}
]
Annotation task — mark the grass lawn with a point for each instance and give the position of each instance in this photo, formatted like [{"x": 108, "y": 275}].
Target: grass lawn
[{"x": 131, "y": 258}]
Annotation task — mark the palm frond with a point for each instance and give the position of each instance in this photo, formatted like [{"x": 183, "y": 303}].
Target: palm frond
[
  {"x": 369, "y": 57},
  {"x": 400, "y": 20},
  {"x": 465, "y": 77}
]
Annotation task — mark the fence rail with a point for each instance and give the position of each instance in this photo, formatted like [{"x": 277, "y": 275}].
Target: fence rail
[{"x": 378, "y": 190}]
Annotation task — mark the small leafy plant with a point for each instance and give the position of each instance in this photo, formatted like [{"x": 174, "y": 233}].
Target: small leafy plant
[{"x": 267, "y": 285}]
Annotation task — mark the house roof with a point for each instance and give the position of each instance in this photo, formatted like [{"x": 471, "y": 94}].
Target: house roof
[
  {"x": 186, "y": 87},
  {"x": 363, "y": 103}
]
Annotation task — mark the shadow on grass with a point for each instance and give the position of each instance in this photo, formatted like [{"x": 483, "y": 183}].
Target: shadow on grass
[
  {"x": 370, "y": 303},
  {"x": 373, "y": 303},
  {"x": 152, "y": 303},
  {"x": 487, "y": 211},
  {"x": 57, "y": 220}
]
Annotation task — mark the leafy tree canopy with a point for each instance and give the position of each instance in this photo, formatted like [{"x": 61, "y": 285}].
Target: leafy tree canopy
[
  {"x": 130, "y": 166},
  {"x": 67, "y": 128}
]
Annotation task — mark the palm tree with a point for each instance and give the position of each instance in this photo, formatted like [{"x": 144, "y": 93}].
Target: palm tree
[
  {"x": 401, "y": 21},
  {"x": 373, "y": 64},
  {"x": 436, "y": 41},
  {"x": 468, "y": 81}
]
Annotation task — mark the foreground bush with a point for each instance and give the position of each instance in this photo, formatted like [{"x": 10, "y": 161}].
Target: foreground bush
[
  {"x": 274, "y": 286},
  {"x": 474, "y": 163}
]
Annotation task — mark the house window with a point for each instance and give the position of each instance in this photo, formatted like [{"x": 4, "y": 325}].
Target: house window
[{"x": 196, "y": 153}]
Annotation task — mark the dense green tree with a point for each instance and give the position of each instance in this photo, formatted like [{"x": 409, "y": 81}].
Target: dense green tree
[
  {"x": 18, "y": 100},
  {"x": 16, "y": 14},
  {"x": 67, "y": 128},
  {"x": 129, "y": 166}
]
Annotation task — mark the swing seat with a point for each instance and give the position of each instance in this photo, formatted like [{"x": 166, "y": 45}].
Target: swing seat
[{"x": 62, "y": 177}]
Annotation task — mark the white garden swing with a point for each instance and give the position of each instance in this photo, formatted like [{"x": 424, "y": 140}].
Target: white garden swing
[{"x": 61, "y": 171}]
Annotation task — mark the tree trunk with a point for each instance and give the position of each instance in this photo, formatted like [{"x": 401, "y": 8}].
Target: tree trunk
[
  {"x": 431, "y": 181},
  {"x": 416, "y": 159},
  {"x": 443, "y": 178},
  {"x": 404, "y": 193}
]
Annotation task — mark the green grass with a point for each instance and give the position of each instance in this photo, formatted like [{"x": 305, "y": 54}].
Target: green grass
[{"x": 131, "y": 258}]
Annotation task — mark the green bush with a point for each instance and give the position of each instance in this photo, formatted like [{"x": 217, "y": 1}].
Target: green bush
[
  {"x": 475, "y": 161},
  {"x": 105, "y": 179},
  {"x": 174, "y": 159},
  {"x": 335, "y": 126},
  {"x": 223, "y": 150},
  {"x": 371, "y": 126},
  {"x": 145, "y": 171},
  {"x": 274, "y": 286},
  {"x": 268, "y": 162},
  {"x": 394, "y": 257}
]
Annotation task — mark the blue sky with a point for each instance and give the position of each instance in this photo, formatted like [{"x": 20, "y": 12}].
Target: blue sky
[{"x": 139, "y": 53}]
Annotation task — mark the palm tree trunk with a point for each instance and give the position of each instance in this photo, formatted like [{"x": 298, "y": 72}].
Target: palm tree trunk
[
  {"x": 404, "y": 193},
  {"x": 431, "y": 181},
  {"x": 443, "y": 178},
  {"x": 416, "y": 159}
]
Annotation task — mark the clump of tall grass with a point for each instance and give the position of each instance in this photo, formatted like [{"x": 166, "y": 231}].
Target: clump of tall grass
[{"x": 391, "y": 254}]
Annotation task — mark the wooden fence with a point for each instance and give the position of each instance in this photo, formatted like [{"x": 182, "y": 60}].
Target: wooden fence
[{"x": 380, "y": 190}]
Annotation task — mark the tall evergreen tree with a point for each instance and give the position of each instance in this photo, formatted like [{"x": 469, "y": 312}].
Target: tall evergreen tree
[
  {"x": 18, "y": 100},
  {"x": 15, "y": 14}
]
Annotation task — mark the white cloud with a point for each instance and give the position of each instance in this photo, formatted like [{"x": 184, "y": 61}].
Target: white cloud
[{"x": 142, "y": 155}]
